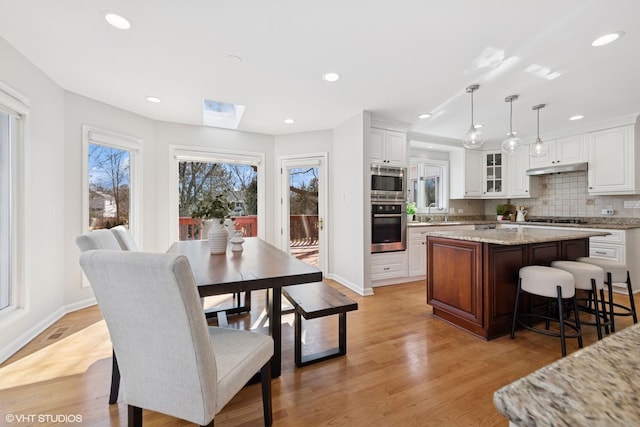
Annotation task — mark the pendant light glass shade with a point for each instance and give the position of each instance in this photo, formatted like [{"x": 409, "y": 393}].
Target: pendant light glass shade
[
  {"x": 512, "y": 143},
  {"x": 473, "y": 138},
  {"x": 539, "y": 148}
]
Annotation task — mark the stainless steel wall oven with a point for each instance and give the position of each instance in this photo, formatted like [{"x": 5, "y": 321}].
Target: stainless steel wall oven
[{"x": 388, "y": 227}]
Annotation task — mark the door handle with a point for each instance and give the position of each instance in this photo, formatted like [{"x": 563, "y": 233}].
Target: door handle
[{"x": 320, "y": 224}]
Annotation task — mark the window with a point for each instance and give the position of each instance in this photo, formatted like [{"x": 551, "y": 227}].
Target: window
[
  {"x": 197, "y": 171},
  {"x": 202, "y": 181},
  {"x": 112, "y": 180},
  {"x": 428, "y": 185},
  {"x": 5, "y": 215},
  {"x": 14, "y": 111}
]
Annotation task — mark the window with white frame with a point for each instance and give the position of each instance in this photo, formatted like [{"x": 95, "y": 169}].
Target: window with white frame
[
  {"x": 112, "y": 180},
  {"x": 13, "y": 111},
  {"x": 428, "y": 185},
  {"x": 198, "y": 171}
]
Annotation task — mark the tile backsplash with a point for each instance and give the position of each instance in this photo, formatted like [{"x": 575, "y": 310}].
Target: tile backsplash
[{"x": 566, "y": 195}]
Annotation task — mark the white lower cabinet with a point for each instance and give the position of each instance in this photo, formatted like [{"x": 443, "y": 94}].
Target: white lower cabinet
[
  {"x": 418, "y": 246},
  {"x": 388, "y": 265}
]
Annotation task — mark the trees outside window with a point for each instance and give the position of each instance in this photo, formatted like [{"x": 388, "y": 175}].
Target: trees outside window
[
  {"x": 109, "y": 186},
  {"x": 238, "y": 182}
]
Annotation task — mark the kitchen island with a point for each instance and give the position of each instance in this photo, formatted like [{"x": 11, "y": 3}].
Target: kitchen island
[{"x": 472, "y": 275}]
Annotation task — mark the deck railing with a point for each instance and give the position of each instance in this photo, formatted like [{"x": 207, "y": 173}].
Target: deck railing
[
  {"x": 193, "y": 229},
  {"x": 303, "y": 228}
]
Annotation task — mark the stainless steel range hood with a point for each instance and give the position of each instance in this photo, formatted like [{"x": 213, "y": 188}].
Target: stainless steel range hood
[{"x": 574, "y": 167}]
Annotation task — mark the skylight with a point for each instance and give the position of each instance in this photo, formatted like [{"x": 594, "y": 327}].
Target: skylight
[{"x": 221, "y": 114}]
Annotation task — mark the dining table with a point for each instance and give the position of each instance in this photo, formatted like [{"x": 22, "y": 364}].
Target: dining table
[{"x": 259, "y": 265}]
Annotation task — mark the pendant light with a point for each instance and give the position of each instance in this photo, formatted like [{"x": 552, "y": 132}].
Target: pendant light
[
  {"x": 473, "y": 138},
  {"x": 512, "y": 143},
  {"x": 539, "y": 148}
]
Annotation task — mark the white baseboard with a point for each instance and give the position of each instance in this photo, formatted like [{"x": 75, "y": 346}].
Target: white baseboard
[
  {"x": 40, "y": 327},
  {"x": 347, "y": 283}
]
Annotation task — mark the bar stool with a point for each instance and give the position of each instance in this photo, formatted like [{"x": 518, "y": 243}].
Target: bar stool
[
  {"x": 588, "y": 277},
  {"x": 553, "y": 284},
  {"x": 616, "y": 272}
]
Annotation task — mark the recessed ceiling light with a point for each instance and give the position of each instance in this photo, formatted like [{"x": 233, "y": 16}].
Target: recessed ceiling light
[
  {"x": 478, "y": 125},
  {"x": 424, "y": 116},
  {"x": 552, "y": 76},
  {"x": 117, "y": 21},
  {"x": 288, "y": 121},
  {"x": 330, "y": 76},
  {"x": 576, "y": 117},
  {"x": 607, "y": 38},
  {"x": 153, "y": 99},
  {"x": 234, "y": 58}
]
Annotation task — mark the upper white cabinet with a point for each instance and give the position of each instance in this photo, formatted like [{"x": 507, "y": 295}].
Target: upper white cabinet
[
  {"x": 465, "y": 176},
  {"x": 519, "y": 184},
  {"x": 612, "y": 161},
  {"x": 493, "y": 173},
  {"x": 388, "y": 146},
  {"x": 567, "y": 150}
]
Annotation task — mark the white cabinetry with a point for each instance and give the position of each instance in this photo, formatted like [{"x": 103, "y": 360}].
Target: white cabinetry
[
  {"x": 388, "y": 146},
  {"x": 465, "y": 176},
  {"x": 566, "y": 151},
  {"x": 389, "y": 265},
  {"x": 612, "y": 161},
  {"x": 619, "y": 245},
  {"x": 418, "y": 246},
  {"x": 493, "y": 174},
  {"x": 519, "y": 184}
]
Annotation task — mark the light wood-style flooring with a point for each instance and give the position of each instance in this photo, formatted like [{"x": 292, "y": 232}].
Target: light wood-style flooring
[{"x": 403, "y": 368}]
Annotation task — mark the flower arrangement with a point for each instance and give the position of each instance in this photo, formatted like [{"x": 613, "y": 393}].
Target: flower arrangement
[
  {"x": 209, "y": 207},
  {"x": 411, "y": 208}
]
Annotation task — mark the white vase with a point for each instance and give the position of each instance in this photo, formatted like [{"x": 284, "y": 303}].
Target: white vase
[{"x": 218, "y": 237}]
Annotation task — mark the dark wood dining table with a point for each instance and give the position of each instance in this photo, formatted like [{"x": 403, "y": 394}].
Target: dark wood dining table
[{"x": 259, "y": 266}]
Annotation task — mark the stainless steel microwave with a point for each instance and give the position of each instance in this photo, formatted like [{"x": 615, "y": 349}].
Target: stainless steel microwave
[{"x": 388, "y": 182}]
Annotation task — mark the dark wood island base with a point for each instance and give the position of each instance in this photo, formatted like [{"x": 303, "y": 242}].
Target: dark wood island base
[{"x": 472, "y": 284}]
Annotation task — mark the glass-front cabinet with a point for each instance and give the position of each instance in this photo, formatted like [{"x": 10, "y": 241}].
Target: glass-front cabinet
[{"x": 493, "y": 174}]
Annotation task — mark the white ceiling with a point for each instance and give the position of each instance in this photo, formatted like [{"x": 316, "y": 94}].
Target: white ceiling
[{"x": 396, "y": 58}]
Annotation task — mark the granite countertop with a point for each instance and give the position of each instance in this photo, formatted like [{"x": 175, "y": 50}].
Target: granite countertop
[
  {"x": 598, "y": 225},
  {"x": 596, "y": 386},
  {"x": 516, "y": 236},
  {"x": 437, "y": 223}
]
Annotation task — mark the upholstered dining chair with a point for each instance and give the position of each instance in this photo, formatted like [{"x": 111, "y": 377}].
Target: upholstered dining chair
[
  {"x": 172, "y": 363},
  {"x": 124, "y": 238},
  {"x": 104, "y": 239}
]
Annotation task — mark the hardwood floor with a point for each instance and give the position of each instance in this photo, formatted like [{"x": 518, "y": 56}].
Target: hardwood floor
[{"x": 402, "y": 368}]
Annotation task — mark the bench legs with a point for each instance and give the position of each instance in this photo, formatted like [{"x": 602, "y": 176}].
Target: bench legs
[{"x": 341, "y": 350}]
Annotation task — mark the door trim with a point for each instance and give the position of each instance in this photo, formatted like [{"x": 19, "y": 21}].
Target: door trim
[{"x": 310, "y": 159}]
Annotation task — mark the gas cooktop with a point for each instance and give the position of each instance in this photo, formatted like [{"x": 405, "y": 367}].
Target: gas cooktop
[{"x": 559, "y": 220}]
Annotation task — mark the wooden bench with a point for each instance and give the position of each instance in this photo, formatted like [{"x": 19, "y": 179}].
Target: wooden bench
[{"x": 316, "y": 300}]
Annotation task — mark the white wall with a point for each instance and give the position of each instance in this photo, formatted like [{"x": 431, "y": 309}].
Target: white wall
[
  {"x": 79, "y": 111},
  {"x": 45, "y": 210},
  {"x": 350, "y": 198}
]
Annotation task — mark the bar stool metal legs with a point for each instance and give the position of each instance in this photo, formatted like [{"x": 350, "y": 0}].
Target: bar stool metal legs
[{"x": 557, "y": 285}]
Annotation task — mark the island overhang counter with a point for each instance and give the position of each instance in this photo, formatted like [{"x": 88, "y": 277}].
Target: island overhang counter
[{"x": 472, "y": 275}]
